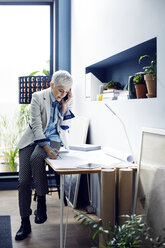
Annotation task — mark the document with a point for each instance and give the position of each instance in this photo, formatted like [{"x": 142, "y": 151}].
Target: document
[{"x": 68, "y": 161}]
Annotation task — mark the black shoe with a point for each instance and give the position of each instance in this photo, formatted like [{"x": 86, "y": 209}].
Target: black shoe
[
  {"x": 24, "y": 230},
  {"x": 40, "y": 213}
]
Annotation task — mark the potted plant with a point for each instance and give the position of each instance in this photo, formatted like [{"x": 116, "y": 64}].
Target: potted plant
[
  {"x": 10, "y": 158},
  {"x": 133, "y": 233},
  {"x": 9, "y": 134},
  {"x": 140, "y": 85},
  {"x": 10, "y": 130},
  {"x": 150, "y": 76},
  {"x": 113, "y": 85}
]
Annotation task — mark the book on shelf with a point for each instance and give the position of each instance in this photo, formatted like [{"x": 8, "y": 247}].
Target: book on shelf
[
  {"x": 109, "y": 98},
  {"x": 115, "y": 94},
  {"x": 123, "y": 97},
  {"x": 85, "y": 147},
  {"x": 111, "y": 91},
  {"x": 124, "y": 94}
]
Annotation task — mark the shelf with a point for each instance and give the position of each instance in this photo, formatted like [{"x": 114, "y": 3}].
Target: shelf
[{"x": 121, "y": 66}]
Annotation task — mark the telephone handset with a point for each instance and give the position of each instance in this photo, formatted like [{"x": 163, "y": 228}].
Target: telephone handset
[{"x": 66, "y": 97}]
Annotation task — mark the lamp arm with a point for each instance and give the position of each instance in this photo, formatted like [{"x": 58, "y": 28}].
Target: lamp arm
[{"x": 125, "y": 130}]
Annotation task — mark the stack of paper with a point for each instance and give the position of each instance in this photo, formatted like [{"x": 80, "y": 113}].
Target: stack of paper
[
  {"x": 85, "y": 147},
  {"x": 63, "y": 150}
]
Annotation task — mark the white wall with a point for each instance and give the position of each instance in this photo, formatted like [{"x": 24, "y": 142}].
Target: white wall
[{"x": 100, "y": 29}]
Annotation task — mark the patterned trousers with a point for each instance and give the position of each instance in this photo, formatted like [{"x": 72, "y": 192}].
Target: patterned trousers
[{"x": 32, "y": 164}]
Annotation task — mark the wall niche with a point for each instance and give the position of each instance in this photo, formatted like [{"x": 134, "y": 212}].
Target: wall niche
[{"x": 119, "y": 67}]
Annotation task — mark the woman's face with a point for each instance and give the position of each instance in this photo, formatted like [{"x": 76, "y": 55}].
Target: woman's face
[{"x": 59, "y": 92}]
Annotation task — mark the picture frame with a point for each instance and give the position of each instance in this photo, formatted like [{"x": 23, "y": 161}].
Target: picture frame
[{"x": 150, "y": 184}]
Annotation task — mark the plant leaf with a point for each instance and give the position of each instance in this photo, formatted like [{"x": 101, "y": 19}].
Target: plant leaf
[{"x": 33, "y": 73}]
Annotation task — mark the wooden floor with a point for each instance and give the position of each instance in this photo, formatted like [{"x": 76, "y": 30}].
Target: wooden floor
[{"x": 45, "y": 235}]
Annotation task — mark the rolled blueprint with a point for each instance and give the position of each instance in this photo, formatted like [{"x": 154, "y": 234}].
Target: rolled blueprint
[
  {"x": 118, "y": 154},
  {"x": 107, "y": 206},
  {"x": 125, "y": 193}
]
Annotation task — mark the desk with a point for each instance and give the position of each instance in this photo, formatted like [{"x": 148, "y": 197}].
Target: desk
[{"x": 69, "y": 165}]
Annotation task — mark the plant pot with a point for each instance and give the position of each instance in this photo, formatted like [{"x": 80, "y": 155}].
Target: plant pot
[
  {"x": 141, "y": 90},
  {"x": 151, "y": 85}
]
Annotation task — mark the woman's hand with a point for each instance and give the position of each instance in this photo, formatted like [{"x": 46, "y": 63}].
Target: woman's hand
[
  {"x": 65, "y": 103},
  {"x": 50, "y": 153}
]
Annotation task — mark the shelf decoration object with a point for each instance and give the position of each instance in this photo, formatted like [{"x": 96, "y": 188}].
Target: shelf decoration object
[
  {"x": 150, "y": 76},
  {"x": 151, "y": 85},
  {"x": 30, "y": 84},
  {"x": 140, "y": 85}
]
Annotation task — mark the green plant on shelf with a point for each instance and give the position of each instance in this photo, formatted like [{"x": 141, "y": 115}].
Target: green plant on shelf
[
  {"x": 139, "y": 79},
  {"x": 113, "y": 85},
  {"x": 152, "y": 68},
  {"x": 133, "y": 233}
]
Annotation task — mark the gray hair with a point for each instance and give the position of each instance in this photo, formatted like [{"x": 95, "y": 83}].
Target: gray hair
[{"x": 62, "y": 78}]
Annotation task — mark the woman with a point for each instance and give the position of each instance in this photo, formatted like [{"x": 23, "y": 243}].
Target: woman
[{"x": 48, "y": 128}]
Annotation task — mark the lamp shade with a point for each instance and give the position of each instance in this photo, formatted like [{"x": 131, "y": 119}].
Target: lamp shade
[{"x": 30, "y": 84}]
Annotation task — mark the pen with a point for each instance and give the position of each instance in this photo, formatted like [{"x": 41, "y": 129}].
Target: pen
[{"x": 54, "y": 151}]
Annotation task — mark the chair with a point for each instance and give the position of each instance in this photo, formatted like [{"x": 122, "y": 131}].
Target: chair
[{"x": 54, "y": 182}]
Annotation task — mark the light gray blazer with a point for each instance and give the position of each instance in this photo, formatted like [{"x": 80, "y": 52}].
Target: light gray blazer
[{"x": 40, "y": 115}]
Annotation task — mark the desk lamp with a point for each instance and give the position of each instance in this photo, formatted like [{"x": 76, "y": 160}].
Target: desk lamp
[{"x": 129, "y": 143}]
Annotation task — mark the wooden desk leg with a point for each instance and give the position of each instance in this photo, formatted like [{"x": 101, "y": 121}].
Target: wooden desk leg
[{"x": 61, "y": 208}]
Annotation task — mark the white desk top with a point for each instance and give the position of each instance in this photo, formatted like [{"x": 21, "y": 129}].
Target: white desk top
[{"x": 73, "y": 160}]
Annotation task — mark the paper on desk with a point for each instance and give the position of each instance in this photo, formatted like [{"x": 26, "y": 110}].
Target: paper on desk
[
  {"x": 118, "y": 154},
  {"x": 68, "y": 161},
  {"x": 106, "y": 161},
  {"x": 75, "y": 159}
]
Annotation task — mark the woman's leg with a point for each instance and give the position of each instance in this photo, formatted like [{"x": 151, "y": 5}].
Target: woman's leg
[
  {"x": 38, "y": 168},
  {"x": 24, "y": 191},
  {"x": 40, "y": 180},
  {"x": 25, "y": 181}
]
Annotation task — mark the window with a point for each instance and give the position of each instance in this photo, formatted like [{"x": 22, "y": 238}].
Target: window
[{"x": 24, "y": 47}]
